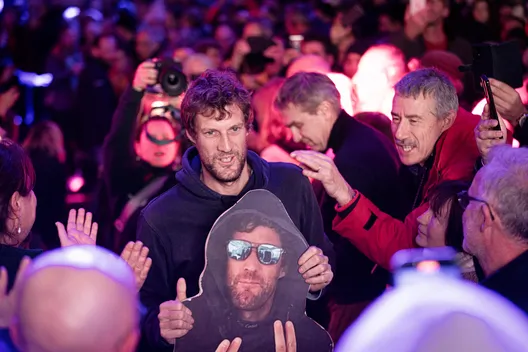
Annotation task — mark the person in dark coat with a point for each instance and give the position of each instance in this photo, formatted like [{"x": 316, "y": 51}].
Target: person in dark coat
[
  {"x": 215, "y": 174},
  {"x": 496, "y": 225},
  {"x": 367, "y": 159},
  {"x": 140, "y": 155}
]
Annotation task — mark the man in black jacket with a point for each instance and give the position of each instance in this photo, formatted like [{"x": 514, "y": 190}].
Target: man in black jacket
[
  {"x": 215, "y": 174},
  {"x": 496, "y": 225},
  {"x": 310, "y": 105}
]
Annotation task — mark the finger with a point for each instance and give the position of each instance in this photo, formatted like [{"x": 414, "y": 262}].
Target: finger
[
  {"x": 71, "y": 220},
  {"x": 485, "y": 113},
  {"x": 291, "y": 339},
  {"x": 127, "y": 251},
  {"x": 223, "y": 346},
  {"x": 498, "y": 86},
  {"x": 280, "y": 342},
  {"x": 181, "y": 315},
  {"x": 144, "y": 273},
  {"x": 63, "y": 236},
  {"x": 310, "y": 264},
  {"x": 318, "y": 280},
  {"x": 142, "y": 258},
  {"x": 173, "y": 306},
  {"x": 134, "y": 256},
  {"x": 181, "y": 290},
  {"x": 176, "y": 325},
  {"x": 87, "y": 224},
  {"x": 486, "y": 135},
  {"x": 317, "y": 270},
  {"x": 80, "y": 220},
  {"x": 313, "y": 174},
  {"x": 310, "y": 252},
  {"x": 485, "y": 125},
  {"x": 235, "y": 345},
  {"x": 4, "y": 279},
  {"x": 93, "y": 233}
]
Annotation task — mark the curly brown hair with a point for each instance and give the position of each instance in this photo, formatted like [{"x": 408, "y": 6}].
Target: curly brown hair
[{"x": 211, "y": 94}]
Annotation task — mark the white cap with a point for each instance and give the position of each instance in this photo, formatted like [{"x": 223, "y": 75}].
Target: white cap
[{"x": 438, "y": 314}]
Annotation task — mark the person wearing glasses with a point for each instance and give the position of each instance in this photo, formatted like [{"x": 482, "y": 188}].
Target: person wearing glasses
[
  {"x": 251, "y": 280},
  {"x": 495, "y": 222}
]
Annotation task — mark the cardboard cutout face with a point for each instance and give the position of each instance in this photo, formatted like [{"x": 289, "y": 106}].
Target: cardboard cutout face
[{"x": 251, "y": 279}]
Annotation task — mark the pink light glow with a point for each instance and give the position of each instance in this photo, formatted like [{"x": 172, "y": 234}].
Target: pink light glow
[{"x": 75, "y": 183}]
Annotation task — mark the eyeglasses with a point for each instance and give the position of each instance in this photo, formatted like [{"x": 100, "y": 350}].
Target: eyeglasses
[
  {"x": 267, "y": 254},
  {"x": 464, "y": 199}
]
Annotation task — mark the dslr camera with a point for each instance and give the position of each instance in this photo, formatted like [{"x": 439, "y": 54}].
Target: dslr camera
[{"x": 170, "y": 77}]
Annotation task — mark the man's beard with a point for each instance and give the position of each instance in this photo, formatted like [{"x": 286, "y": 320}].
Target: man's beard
[
  {"x": 225, "y": 175},
  {"x": 250, "y": 298}
]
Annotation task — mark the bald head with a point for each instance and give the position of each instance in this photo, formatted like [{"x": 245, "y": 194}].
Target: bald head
[
  {"x": 89, "y": 296},
  {"x": 308, "y": 63}
]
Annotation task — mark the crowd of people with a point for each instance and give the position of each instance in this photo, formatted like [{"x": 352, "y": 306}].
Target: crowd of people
[{"x": 354, "y": 114}]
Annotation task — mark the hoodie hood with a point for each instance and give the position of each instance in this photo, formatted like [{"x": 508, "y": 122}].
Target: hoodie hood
[
  {"x": 189, "y": 175},
  {"x": 290, "y": 295}
]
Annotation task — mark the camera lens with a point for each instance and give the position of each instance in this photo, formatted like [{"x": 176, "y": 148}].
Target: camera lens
[{"x": 172, "y": 79}]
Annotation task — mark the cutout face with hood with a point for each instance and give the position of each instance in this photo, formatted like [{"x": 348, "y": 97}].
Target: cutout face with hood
[{"x": 251, "y": 279}]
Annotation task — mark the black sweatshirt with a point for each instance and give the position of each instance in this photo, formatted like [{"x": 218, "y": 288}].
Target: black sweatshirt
[{"x": 175, "y": 227}]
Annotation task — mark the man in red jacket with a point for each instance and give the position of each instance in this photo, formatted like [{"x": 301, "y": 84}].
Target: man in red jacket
[{"x": 434, "y": 138}]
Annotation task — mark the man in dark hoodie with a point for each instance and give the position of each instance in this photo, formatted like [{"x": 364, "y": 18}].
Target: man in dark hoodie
[
  {"x": 244, "y": 291},
  {"x": 215, "y": 174}
]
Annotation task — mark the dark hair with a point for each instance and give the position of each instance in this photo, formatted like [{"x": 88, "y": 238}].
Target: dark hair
[
  {"x": 211, "y": 94},
  {"x": 16, "y": 175},
  {"x": 445, "y": 194},
  {"x": 307, "y": 91},
  {"x": 214, "y": 276}
]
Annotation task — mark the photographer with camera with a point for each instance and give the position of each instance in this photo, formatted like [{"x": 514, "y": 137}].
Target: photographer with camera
[{"x": 141, "y": 152}]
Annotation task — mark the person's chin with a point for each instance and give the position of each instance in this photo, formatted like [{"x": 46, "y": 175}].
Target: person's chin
[
  {"x": 421, "y": 240},
  {"x": 408, "y": 157}
]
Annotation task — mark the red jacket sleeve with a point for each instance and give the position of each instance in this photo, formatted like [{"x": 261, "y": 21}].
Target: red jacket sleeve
[{"x": 376, "y": 234}]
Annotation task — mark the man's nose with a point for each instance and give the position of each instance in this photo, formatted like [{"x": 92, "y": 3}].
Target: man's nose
[
  {"x": 400, "y": 131},
  {"x": 296, "y": 135},
  {"x": 251, "y": 263},
  {"x": 224, "y": 145}
]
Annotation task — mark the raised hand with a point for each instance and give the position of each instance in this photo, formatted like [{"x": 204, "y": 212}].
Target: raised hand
[
  {"x": 146, "y": 75},
  {"x": 7, "y": 300},
  {"x": 314, "y": 267},
  {"x": 79, "y": 229},
  {"x": 175, "y": 319},
  {"x": 322, "y": 168},
  {"x": 485, "y": 136},
  {"x": 135, "y": 254}
]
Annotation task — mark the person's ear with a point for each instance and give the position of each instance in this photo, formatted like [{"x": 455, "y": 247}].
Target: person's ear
[
  {"x": 190, "y": 137},
  {"x": 487, "y": 218},
  {"x": 16, "y": 203},
  {"x": 448, "y": 120},
  {"x": 325, "y": 110},
  {"x": 282, "y": 272}
]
